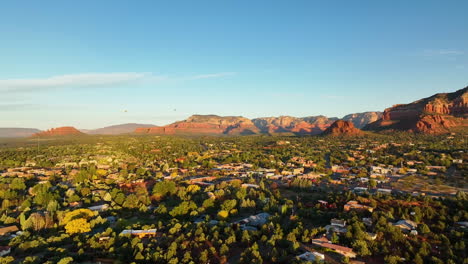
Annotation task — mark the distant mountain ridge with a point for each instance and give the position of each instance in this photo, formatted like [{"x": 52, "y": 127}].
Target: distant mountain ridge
[
  {"x": 13, "y": 132},
  {"x": 360, "y": 120},
  {"x": 238, "y": 125},
  {"x": 214, "y": 124},
  {"x": 205, "y": 124},
  {"x": 116, "y": 129},
  {"x": 311, "y": 125},
  {"x": 440, "y": 113}
]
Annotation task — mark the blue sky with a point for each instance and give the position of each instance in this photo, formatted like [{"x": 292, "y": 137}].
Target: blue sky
[{"x": 91, "y": 64}]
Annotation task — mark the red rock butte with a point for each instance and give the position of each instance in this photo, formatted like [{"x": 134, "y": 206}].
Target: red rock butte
[
  {"x": 438, "y": 114},
  {"x": 342, "y": 128},
  {"x": 59, "y": 131}
]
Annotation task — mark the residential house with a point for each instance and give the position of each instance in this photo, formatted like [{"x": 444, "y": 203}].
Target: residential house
[
  {"x": 338, "y": 222},
  {"x": 140, "y": 233},
  {"x": 380, "y": 170},
  {"x": 104, "y": 238},
  {"x": 462, "y": 225},
  {"x": 367, "y": 221},
  {"x": 362, "y": 180},
  {"x": 99, "y": 208},
  {"x": 312, "y": 256},
  {"x": 248, "y": 185},
  {"x": 360, "y": 190},
  {"x": 406, "y": 225},
  {"x": 248, "y": 228},
  {"x": 297, "y": 171},
  {"x": 4, "y": 250},
  {"x": 339, "y": 169},
  {"x": 310, "y": 176},
  {"x": 345, "y": 251},
  {"x": 254, "y": 220},
  {"x": 384, "y": 191},
  {"x": 354, "y": 205},
  {"x": 337, "y": 226},
  {"x": 202, "y": 179},
  {"x": 436, "y": 168},
  {"x": 8, "y": 229}
]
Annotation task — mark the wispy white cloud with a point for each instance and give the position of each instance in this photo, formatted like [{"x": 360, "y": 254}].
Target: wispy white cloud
[
  {"x": 442, "y": 52},
  {"x": 212, "y": 75},
  {"x": 70, "y": 81},
  {"x": 93, "y": 80}
]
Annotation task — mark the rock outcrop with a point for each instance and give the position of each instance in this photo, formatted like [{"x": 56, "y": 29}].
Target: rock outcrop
[
  {"x": 342, "y": 128},
  {"x": 59, "y": 131},
  {"x": 440, "y": 113},
  {"x": 360, "y": 120}
]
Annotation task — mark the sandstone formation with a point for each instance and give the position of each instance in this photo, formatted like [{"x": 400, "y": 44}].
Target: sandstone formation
[
  {"x": 236, "y": 125},
  {"x": 342, "y": 128},
  {"x": 59, "y": 131},
  {"x": 360, "y": 120},
  {"x": 206, "y": 124},
  {"x": 440, "y": 113},
  {"x": 312, "y": 125}
]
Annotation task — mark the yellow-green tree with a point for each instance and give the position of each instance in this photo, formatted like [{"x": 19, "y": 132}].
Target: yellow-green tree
[
  {"x": 79, "y": 225},
  {"x": 76, "y": 221},
  {"x": 223, "y": 214},
  {"x": 75, "y": 214}
]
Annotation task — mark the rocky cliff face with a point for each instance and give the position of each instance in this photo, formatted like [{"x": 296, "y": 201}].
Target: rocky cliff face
[
  {"x": 436, "y": 114},
  {"x": 360, "y": 120},
  {"x": 206, "y": 124},
  {"x": 342, "y": 128},
  {"x": 320, "y": 120},
  {"x": 440, "y": 113},
  {"x": 236, "y": 125},
  {"x": 59, "y": 131},
  {"x": 312, "y": 125}
]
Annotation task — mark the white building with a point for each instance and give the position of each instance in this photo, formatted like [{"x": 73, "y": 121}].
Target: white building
[{"x": 312, "y": 256}]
